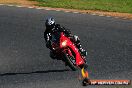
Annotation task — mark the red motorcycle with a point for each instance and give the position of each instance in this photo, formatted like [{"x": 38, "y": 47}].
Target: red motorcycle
[{"x": 67, "y": 51}]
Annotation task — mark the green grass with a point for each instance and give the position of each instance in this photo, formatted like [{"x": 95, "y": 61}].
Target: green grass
[{"x": 104, "y": 5}]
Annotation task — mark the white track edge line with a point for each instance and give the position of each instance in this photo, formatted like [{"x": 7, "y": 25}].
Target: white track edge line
[
  {"x": 57, "y": 10},
  {"x": 1, "y": 4}
]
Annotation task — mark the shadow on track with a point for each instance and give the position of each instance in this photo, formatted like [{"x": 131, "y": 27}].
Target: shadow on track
[{"x": 47, "y": 71}]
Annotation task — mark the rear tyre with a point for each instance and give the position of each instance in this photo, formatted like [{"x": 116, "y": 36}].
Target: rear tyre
[{"x": 70, "y": 61}]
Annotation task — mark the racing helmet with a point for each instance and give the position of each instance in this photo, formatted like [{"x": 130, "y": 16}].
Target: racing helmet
[{"x": 50, "y": 22}]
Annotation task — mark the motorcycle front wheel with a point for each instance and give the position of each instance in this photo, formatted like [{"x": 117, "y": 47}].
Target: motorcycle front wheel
[{"x": 70, "y": 61}]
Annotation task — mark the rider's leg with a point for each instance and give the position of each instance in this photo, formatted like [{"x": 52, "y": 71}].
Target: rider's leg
[{"x": 79, "y": 46}]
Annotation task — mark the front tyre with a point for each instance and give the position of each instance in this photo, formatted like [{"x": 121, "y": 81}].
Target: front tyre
[{"x": 70, "y": 61}]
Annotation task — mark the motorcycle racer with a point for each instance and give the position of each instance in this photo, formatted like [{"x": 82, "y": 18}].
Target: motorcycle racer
[{"x": 51, "y": 28}]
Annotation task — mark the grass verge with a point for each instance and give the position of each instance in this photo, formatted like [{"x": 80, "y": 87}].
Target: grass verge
[{"x": 104, "y": 5}]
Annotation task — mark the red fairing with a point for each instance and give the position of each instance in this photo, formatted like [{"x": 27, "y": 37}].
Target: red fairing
[{"x": 66, "y": 42}]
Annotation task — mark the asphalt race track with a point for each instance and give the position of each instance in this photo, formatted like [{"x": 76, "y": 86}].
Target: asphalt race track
[{"x": 25, "y": 61}]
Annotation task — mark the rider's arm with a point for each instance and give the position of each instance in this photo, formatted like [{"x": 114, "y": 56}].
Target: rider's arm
[
  {"x": 47, "y": 37},
  {"x": 66, "y": 31}
]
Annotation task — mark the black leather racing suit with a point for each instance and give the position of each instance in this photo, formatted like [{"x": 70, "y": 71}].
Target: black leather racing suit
[
  {"x": 57, "y": 28},
  {"x": 49, "y": 31}
]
